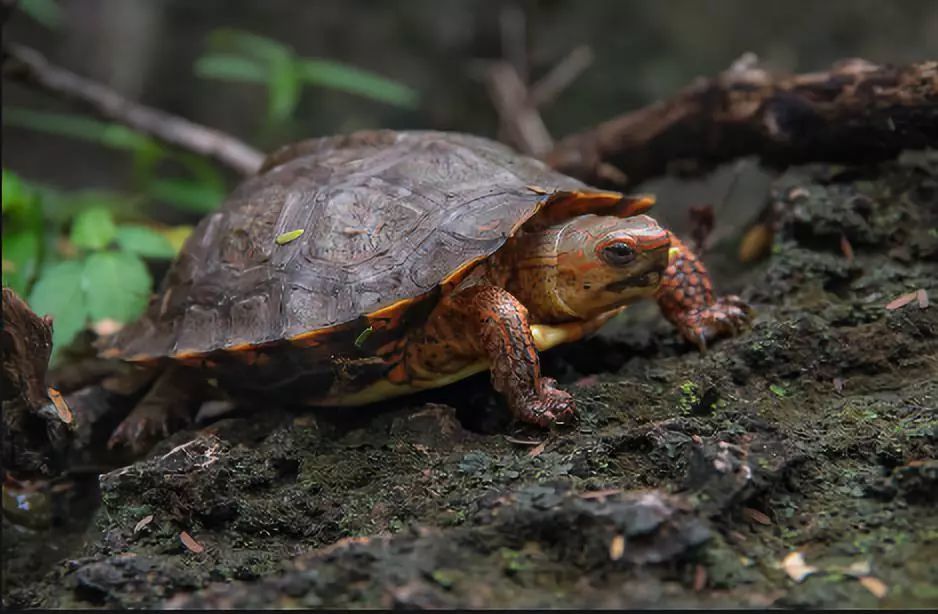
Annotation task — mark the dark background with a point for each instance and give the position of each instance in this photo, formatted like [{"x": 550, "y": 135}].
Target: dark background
[{"x": 643, "y": 51}]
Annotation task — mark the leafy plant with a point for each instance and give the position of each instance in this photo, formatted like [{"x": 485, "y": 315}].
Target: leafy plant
[
  {"x": 249, "y": 58},
  {"x": 74, "y": 259},
  {"x": 201, "y": 191},
  {"x": 46, "y": 12}
]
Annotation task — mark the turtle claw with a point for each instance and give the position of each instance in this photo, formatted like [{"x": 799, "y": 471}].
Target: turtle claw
[
  {"x": 552, "y": 406},
  {"x": 728, "y": 316},
  {"x": 146, "y": 425}
]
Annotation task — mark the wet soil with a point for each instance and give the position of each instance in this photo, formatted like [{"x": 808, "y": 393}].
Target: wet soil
[{"x": 687, "y": 481}]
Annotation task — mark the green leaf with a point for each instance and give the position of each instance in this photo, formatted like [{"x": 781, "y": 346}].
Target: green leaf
[
  {"x": 353, "y": 80},
  {"x": 20, "y": 259},
  {"x": 203, "y": 171},
  {"x": 117, "y": 286},
  {"x": 16, "y": 194},
  {"x": 230, "y": 68},
  {"x": 363, "y": 337},
  {"x": 283, "y": 90},
  {"x": 286, "y": 237},
  {"x": 248, "y": 43},
  {"x": 77, "y": 127},
  {"x": 46, "y": 12},
  {"x": 22, "y": 232},
  {"x": 93, "y": 228},
  {"x": 186, "y": 195},
  {"x": 58, "y": 293},
  {"x": 177, "y": 236},
  {"x": 145, "y": 161},
  {"x": 144, "y": 241}
]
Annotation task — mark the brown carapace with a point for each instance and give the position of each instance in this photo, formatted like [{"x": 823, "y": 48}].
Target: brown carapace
[{"x": 425, "y": 257}]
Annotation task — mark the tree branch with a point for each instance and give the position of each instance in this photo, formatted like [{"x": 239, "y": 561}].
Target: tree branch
[
  {"x": 855, "y": 112},
  {"x": 520, "y": 120},
  {"x": 29, "y": 67}
]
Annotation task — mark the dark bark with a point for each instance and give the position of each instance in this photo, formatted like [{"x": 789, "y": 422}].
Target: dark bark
[{"x": 32, "y": 428}]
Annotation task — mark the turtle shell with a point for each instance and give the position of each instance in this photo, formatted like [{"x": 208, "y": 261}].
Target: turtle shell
[{"x": 389, "y": 220}]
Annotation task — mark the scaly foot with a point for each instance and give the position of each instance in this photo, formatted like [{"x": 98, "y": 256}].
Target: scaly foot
[
  {"x": 147, "y": 424},
  {"x": 726, "y": 317},
  {"x": 552, "y": 406}
]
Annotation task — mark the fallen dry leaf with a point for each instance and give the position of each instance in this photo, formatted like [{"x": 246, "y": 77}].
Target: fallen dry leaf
[
  {"x": 536, "y": 451},
  {"x": 144, "y": 522},
  {"x": 600, "y": 494},
  {"x": 858, "y": 569},
  {"x": 106, "y": 327},
  {"x": 901, "y": 301},
  {"x": 798, "y": 192},
  {"x": 617, "y": 547},
  {"x": 756, "y": 243},
  {"x": 796, "y": 568},
  {"x": 61, "y": 407},
  {"x": 875, "y": 586},
  {"x": 523, "y": 442},
  {"x": 190, "y": 543},
  {"x": 922, "y": 297},
  {"x": 700, "y": 578},
  {"x": 846, "y": 248},
  {"x": 755, "y": 515}
]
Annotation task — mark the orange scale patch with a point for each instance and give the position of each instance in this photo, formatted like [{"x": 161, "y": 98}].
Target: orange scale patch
[
  {"x": 241, "y": 347},
  {"x": 565, "y": 205},
  {"x": 393, "y": 310},
  {"x": 398, "y": 375},
  {"x": 140, "y": 358},
  {"x": 462, "y": 271},
  {"x": 391, "y": 350},
  {"x": 247, "y": 356},
  {"x": 315, "y": 338},
  {"x": 191, "y": 359}
]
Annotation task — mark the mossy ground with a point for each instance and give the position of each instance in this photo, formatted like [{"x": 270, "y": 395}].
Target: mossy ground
[{"x": 687, "y": 480}]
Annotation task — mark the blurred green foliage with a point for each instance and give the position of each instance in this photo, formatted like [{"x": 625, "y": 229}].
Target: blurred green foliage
[
  {"x": 82, "y": 256},
  {"x": 201, "y": 190},
  {"x": 244, "y": 57},
  {"x": 46, "y": 12},
  {"x": 74, "y": 258}
]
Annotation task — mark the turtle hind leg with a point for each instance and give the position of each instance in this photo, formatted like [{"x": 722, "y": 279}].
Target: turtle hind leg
[
  {"x": 167, "y": 407},
  {"x": 486, "y": 323},
  {"x": 686, "y": 299}
]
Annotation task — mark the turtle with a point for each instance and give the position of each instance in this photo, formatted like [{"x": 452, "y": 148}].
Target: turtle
[{"x": 355, "y": 268}]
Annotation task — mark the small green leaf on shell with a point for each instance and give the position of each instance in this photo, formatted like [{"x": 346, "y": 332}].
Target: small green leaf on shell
[
  {"x": 363, "y": 337},
  {"x": 289, "y": 236}
]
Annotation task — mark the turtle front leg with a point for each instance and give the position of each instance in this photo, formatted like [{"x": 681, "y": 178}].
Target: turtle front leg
[
  {"x": 486, "y": 323},
  {"x": 166, "y": 408},
  {"x": 686, "y": 299}
]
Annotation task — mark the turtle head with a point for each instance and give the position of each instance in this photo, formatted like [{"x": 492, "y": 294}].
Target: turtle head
[{"x": 605, "y": 262}]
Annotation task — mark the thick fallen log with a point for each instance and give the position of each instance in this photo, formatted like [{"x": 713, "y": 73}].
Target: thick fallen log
[{"x": 854, "y": 113}]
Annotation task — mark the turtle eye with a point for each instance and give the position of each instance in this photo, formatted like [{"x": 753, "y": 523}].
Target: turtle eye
[{"x": 618, "y": 254}]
